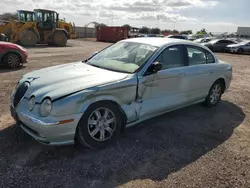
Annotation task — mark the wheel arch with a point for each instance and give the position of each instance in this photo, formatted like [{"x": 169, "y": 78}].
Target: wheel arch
[
  {"x": 116, "y": 103},
  {"x": 222, "y": 80},
  {"x": 10, "y": 52}
]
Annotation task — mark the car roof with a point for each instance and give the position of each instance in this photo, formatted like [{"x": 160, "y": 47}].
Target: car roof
[{"x": 159, "y": 41}]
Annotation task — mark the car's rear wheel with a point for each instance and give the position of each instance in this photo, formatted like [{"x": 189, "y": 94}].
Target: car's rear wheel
[
  {"x": 214, "y": 95},
  {"x": 240, "y": 51},
  {"x": 100, "y": 125},
  {"x": 12, "y": 61}
]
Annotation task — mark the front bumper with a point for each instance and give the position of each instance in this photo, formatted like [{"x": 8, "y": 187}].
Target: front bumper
[
  {"x": 47, "y": 131},
  {"x": 24, "y": 57}
]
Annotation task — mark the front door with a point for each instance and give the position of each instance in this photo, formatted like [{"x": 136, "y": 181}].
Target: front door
[{"x": 165, "y": 89}]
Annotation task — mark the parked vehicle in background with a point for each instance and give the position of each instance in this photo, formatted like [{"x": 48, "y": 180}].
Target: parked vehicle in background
[
  {"x": 204, "y": 40},
  {"x": 111, "y": 34},
  {"x": 218, "y": 45},
  {"x": 239, "y": 48},
  {"x": 12, "y": 55},
  {"x": 142, "y": 35},
  {"x": 177, "y": 37},
  {"x": 126, "y": 83}
]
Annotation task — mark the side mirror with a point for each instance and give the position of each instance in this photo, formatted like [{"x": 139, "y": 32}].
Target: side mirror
[{"x": 154, "y": 68}]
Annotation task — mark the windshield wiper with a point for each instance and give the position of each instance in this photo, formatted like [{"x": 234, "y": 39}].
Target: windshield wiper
[{"x": 86, "y": 61}]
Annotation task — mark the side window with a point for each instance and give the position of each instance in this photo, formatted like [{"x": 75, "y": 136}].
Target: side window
[
  {"x": 227, "y": 42},
  {"x": 197, "y": 56},
  {"x": 210, "y": 57},
  {"x": 171, "y": 57}
]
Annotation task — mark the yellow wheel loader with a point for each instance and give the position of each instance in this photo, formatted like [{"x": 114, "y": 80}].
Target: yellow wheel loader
[{"x": 37, "y": 27}]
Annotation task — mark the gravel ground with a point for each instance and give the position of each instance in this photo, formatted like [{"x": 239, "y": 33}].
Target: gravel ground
[{"x": 191, "y": 147}]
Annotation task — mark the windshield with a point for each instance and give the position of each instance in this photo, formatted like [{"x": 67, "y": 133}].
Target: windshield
[{"x": 123, "y": 56}]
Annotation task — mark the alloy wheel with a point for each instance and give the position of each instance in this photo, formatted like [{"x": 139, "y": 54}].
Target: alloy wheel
[
  {"x": 101, "y": 124},
  {"x": 215, "y": 94},
  {"x": 14, "y": 61}
]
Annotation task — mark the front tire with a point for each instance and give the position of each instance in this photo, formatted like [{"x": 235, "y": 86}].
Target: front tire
[
  {"x": 100, "y": 125},
  {"x": 12, "y": 61},
  {"x": 214, "y": 95}
]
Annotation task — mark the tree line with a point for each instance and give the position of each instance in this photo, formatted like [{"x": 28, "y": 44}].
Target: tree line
[
  {"x": 8, "y": 15},
  {"x": 143, "y": 30},
  {"x": 147, "y": 30}
]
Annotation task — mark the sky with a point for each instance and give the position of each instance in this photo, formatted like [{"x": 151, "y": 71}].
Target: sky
[{"x": 214, "y": 15}]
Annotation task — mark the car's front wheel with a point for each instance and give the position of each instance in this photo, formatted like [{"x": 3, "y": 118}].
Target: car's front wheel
[
  {"x": 100, "y": 125},
  {"x": 214, "y": 95},
  {"x": 12, "y": 60}
]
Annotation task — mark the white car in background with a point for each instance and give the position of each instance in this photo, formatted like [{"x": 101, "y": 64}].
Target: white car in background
[
  {"x": 203, "y": 40},
  {"x": 239, "y": 48}
]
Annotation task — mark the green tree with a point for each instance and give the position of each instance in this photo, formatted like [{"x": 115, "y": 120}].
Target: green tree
[
  {"x": 144, "y": 30},
  {"x": 175, "y": 31},
  {"x": 202, "y": 32},
  {"x": 187, "y": 32},
  {"x": 155, "y": 31},
  {"x": 127, "y": 26},
  {"x": 9, "y": 15}
]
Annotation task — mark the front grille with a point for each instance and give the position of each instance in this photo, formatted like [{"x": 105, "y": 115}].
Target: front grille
[{"x": 21, "y": 90}]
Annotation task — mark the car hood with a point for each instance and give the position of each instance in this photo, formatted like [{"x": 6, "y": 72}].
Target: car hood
[
  {"x": 61, "y": 80},
  {"x": 235, "y": 45}
]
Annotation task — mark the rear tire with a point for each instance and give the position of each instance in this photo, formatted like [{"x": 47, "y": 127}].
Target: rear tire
[
  {"x": 59, "y": 38},
  {"x": 28, "y": 38},
  {"x": 100, "y": 125},
  {"x": 214, "y": 95},
  {"x": 12, "y": 61}
]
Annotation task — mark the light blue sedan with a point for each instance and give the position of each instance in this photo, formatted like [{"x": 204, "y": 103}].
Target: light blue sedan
[{"x": 92, "y": 101}]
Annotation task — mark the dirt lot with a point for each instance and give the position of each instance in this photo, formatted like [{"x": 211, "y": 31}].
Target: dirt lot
[{"x": 192, "y": 147}]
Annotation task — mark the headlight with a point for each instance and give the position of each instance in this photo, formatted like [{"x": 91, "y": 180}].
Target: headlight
[
  {"x": 31, "y": 103},
  {"x": 46, "y": 107}
]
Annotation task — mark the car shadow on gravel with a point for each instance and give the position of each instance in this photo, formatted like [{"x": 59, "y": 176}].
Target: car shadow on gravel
[
  {"x": 48, "y": 46},
  {"x": 3, "y": 69},
  {"x": 151, "y": 150}
]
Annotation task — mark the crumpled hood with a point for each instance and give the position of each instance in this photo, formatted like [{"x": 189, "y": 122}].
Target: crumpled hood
[{"x": 58, "y": 81}]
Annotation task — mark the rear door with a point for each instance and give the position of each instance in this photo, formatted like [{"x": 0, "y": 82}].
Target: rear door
[
  {"x": 219, "y": 45},
  {"x": 199, "y": 73}
]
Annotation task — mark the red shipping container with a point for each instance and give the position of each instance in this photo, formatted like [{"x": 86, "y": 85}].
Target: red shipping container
[{"x": 111, "y": 34}]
